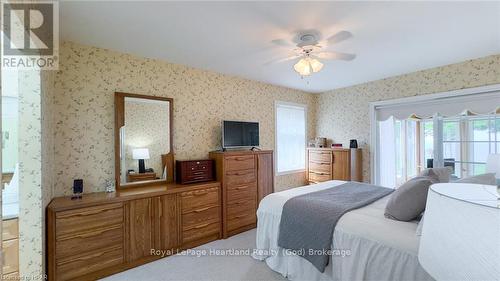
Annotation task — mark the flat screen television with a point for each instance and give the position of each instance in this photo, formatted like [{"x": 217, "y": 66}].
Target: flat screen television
[{"x": 240, "y": 134}]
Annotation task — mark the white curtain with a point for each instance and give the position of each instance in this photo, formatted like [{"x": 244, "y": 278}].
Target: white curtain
[
  {"x": 290, "y": 137},
  {"x": 479, "y": 103},
  {"x": 387, "y": 153}
]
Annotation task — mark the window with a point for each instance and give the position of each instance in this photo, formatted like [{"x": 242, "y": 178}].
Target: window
[
  {"x": 466, "y": 143},
  {"x": 290, "y": 137},
  {"x": 456, "y": 129},
  {"x": 406, "y": 138}
]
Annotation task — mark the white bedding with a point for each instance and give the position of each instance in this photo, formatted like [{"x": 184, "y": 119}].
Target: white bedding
[{"x": 380, "y": 248}]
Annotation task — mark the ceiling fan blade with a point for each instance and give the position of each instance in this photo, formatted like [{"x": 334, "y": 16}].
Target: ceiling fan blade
[
  {"x": 335, "y": 56},
  {"x": 282, "y": 59},
  {"x": 339, "y": 37},
  {"x": 282, "y": 43}
]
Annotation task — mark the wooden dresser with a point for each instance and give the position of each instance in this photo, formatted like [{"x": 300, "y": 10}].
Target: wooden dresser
[
  {"x": 105, "y": 233},
  {"x": 246, "y": 177},
  {"x": 324, "y": 164}
]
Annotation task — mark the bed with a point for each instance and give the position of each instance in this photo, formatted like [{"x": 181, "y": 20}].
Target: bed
[{"x": 367, "y": 245}]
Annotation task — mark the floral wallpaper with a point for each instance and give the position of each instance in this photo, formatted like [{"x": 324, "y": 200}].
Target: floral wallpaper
[
  {"x": 30, "y": 170},
  {"x": 343, "y": 114},
  {"x": 147, "y": 126},
  {"x": 84, "y": 110}
]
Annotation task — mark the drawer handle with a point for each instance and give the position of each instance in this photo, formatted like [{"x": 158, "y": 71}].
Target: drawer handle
[
  {"x": 199, "y": 173},
  {"x": 91, "y": 212},
  {"x": 241, "y": 187},
  {"x": 241, "y": 158},
  {"x": 200, "y": 193},
  {"x": 201, "y": 226},
  {"x": 201, "y": 210},
  {"x": 240, "y": 216}
]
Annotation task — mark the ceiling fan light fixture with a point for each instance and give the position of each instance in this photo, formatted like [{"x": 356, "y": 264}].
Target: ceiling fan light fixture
[
  {"x": 316, "y": 65},
  {"x": 307, "y": 66}
]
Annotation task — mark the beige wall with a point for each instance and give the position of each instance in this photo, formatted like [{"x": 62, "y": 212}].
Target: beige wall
[
  {"x": 84, "y": 110},
  {"x": 343, "y": 114}
]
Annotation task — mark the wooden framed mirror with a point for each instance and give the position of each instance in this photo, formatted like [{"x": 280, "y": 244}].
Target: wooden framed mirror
[{"x": 143, "y": 140}]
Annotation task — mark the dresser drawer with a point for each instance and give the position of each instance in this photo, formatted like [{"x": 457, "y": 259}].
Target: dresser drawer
[
  {"x": 76, "y": 221},
  {"x": 319, "y": 167},
  {"x": 319, "y": 177},
  {"x": 201, "y": 216},
  {"x": 89, "y": 241},
  {"x": 192, "y": 200},
  {"x": 242, "y": 206},
  {"x": 320, "y": 156},
  {"x": 84, "y": 264},
  {"x": 10, "y": 229},
  {"x": 237, "y": 163},
  {"x": 200, "y": 231},
  {"x": 240, "y": 177},
  {"x": 241, "y": 219},
  {"x": 244, "y": 191}
]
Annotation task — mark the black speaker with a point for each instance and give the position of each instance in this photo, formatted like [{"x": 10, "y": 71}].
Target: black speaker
[
  {"x": 353, "y": 144},
  {"x": 77, "y": 188}
]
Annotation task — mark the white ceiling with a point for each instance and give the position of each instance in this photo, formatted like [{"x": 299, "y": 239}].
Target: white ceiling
[{"x": 390, "y": 38}]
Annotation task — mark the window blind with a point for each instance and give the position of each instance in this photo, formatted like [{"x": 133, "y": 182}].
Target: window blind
[{"x": 290, "y": 137}]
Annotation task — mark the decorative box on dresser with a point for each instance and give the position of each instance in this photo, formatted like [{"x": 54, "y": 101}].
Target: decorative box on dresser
[
  {"x": 105, "y": 233},
  {"x": 190, "y": 171},
  {"x": 246, "y": 177},
  {"x": 324, "y": 164}
]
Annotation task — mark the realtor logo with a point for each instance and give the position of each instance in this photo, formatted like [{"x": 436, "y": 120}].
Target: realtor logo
[{"x": 30, "y": 35}]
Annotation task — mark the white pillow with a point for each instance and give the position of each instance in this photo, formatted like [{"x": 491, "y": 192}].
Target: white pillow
[
  {"x": 487, "y": 179},
  {"x": 443, "y": 174}
]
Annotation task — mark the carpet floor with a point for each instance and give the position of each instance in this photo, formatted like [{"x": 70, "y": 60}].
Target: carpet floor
[{"x": 212, "y": 263}]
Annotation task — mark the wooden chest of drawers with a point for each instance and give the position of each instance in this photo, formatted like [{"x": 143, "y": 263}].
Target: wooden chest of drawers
[
  {"x": 326, "y": 164},
  {"x": 194, "y": 171},
  {"x": 246, "y": 176}
]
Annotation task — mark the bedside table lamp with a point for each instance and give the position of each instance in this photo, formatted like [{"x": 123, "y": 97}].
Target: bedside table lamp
[
  {"x": 460, "y": 235},
  {"x": 140, "y": 154}
]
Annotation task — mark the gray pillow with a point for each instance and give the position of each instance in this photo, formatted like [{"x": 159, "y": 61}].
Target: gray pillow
[
  {"x": 488, "y": 179},
  {"x": 443, "y": 174},
  {"x": 408, "y": 201}
]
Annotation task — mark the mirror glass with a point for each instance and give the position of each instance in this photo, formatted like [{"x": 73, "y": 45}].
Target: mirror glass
[{"x": 144, "y": 140}]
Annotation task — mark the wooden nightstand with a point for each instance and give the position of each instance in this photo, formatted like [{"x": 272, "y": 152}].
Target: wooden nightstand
[{"x": 141, "y": 177}]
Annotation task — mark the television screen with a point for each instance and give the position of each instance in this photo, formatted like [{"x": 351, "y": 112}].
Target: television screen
[{"x": 240, "y": 134}]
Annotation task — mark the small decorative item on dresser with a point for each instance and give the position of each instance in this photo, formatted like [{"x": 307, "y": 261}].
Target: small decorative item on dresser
[
  {"x": 109, "y": 185},
  {"x": 77, "y": 189},
  {"x": 194, "y": 171},
  {"x": 353, "y": 144},
  {"x": 320, "y": 142},
  {"x": 336, "y": 145}
]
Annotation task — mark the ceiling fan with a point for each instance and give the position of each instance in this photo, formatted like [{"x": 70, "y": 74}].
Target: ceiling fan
[{"x": 309, "y": 51}]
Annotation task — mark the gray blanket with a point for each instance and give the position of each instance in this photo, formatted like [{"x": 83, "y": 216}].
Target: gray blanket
[{"x": 308, "y": 221}]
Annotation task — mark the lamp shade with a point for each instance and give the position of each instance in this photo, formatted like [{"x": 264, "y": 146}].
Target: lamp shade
[
  {"x": 140, "y": 153},
  {"x": 460, "y": 234},
  {"x": 493, "y": 164}
]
